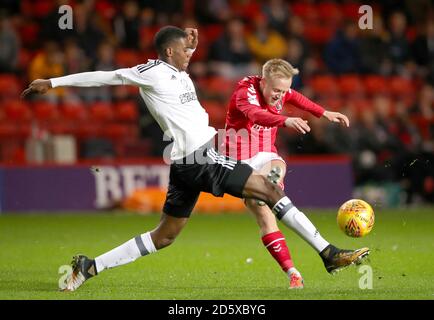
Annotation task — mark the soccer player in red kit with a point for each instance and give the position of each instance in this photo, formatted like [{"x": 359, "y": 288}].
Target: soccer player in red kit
[{"x": 252, "y": 121}]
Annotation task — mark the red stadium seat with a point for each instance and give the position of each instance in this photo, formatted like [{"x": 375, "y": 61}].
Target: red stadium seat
[
  {"x": 101, "y": 112},
  {"x": 324, "y": 85},
  {"x": 127, "y": 58},
  {"x": 306, "y": 11},
  {"x": 43, "y": 8},
  {"x": 126, "y": 112},
  {"x": 401, "y": 86},
  {"x": 87, "y": 130},
  {"x": 216, "y": 112},
  {"x": 8, "y": 131},
  {"x": 29, "y": 34},
  {"x": 115, "y": 131},
  {"x": 331, "y": 13},
  {"x": 74, "y": 112},
  {"x": 106, "y": 9},
  {"x": 318, "y": 33},
  {"x": 375, "y": 85},
  {"x": 17, "y": 111},
  {"x": 45, "y": 112},
  {"x": 10, "y": 86},
  {"x": 332, "y": 103},
  {"x": 218, "y": 86},
  {"x": 351, "y": 10},
  {"x": 351, "y": 85},
  {"x": 212, "y": 32},
  {"x": 403, "y": 90}
]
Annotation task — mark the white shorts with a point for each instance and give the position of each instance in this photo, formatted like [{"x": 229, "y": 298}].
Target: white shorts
[{"x": 261, "y": 159}]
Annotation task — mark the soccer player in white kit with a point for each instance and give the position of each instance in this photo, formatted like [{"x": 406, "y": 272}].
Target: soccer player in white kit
[{"x": 196, "y": 166}]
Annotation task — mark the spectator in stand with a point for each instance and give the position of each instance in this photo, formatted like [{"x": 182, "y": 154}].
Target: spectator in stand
[
  {"x": 342, "y": 52},
  {"x": 230, "y": 55},
  {"x": 423, "y": 51},
  {"x": 87, "y": 29},
  {"x": 422, "y": 112},
  {"x": 277, "y": 14},
  {"x": 295, "y": 29},
  {"x": 264, "y": 42},
  {"x": 127, "y": 25},
  {"x": 9, "y": 45},
  {"x": 398, "y": 47},
  {"x": 47, "y": 64},
  {"x": 75, "y": 61},
  {"x": 169, "y": 11},
  {"x": 49, "y": 29},
  {"x": 104, "y": 62},
  {"x": 216, "y": 11},
  {"x": 373, "y": 49},
  {"x": 75, "y": 58},
  {"x": 297, "y": 57}
]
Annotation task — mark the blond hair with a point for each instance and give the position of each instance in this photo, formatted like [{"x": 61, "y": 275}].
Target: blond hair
[{"x": 278, "y": 68}]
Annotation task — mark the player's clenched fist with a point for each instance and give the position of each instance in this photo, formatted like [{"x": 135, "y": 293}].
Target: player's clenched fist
[
  {"x": 298, "y": 124},
  {"x": 37, "y": 86},
  {"x": 192, "y": 38}
]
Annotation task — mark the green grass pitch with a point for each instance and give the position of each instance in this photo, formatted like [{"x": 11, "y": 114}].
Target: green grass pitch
[{"x": 208, "y": 260}]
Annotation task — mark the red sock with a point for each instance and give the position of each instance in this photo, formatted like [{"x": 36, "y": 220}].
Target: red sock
[{"x": 276, "y": 245}]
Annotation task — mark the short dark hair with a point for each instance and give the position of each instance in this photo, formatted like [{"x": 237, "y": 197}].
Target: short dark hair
[{"x": 165, "y": 36}]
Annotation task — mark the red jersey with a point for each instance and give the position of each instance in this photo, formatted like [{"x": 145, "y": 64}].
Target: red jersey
[{"x": 251, "y": 124}]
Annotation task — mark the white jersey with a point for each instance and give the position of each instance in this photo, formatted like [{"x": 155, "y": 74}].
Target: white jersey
[{"x": 169, "y": 95}]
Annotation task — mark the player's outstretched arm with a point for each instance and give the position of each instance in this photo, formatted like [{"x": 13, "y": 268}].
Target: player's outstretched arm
[
  {"x": 337, "y": 117},
  {"x": 84, "y": 79}
]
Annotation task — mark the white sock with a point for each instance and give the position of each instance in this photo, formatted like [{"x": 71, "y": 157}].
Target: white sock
[
  {"x": 294, "y": 219},
  {"x": 126, "y": 253},
  {"x": 293, "y": 270}
]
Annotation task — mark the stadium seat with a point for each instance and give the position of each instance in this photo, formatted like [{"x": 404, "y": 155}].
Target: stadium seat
[
  {"x": 361, "y": 104},
  {"x": 351, "y": 10},
  {"x": 332, "y": 103},
  {"x": 101, "y": 112},
  {"x": 147, "y": 36},
  {"x": 216, "y": 112},
  {"x": 126, "y": 112},
  {"x": 28, "y": 33},
  {"x": 8, "y": 131},
  {"x": 74, "y": 112},
  {"x": 331, "y": 13},
  {"x": 115, "y": 131},
  {"x": 45, "y": 112},
  {"x": 10, "y": 86},
  {"x": 324, "y": 85},
  {"x": 218, "y": 86},
  {"x": 42, "y": 8},
  {"x": 375, "y": 84},
  {"x": 351, "y": 85},
  {"x": 17, "y": 111},
  {"x": 318, "y": 33},
  {"x": 87, "y": 129},
  {"x": 106, "y": 9},
  {"x": 212, "y": 32},
  {"x": 127, "y": 58},
  {"x": 306, "y": 11},
  {"x": 403, "y": 90},
  {"x": 401, "y": 86}
]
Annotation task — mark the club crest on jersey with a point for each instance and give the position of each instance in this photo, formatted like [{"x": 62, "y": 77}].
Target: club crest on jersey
[{"x": 279, "y": 105}]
